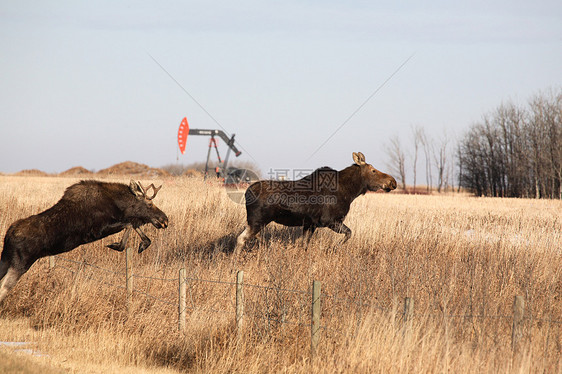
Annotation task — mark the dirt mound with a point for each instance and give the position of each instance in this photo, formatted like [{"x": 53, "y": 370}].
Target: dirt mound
[
  {"x": 134, "y": 169},
  {"x": 75, "y": 171},
  {"x": 31, "y": 173}
]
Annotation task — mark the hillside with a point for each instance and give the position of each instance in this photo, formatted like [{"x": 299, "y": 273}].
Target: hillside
[{"x": 127, "y": 168}]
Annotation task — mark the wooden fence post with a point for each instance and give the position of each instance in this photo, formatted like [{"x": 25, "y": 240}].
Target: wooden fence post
[
  {"x": 315, "y": 326},
  {"x": 239, "y": 300},
  {"x": 408, "y": 309},
  {"x": 517, "y": 327},
  {"x": 408, "y": 314},
  {"x": 129, "y": 277},
  {"x": 182, "y": 300}
]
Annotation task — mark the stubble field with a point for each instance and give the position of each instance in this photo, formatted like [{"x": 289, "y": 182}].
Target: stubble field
[{"x": 461, "y": 259}]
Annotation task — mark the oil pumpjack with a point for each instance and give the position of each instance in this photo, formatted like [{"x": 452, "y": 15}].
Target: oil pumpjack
[
  {"x": 229, "y": 176},
  {"x": 221, "y": 170}
]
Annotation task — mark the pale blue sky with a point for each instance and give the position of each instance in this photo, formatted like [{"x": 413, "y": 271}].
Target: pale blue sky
[{"x": 79, "y": 86}]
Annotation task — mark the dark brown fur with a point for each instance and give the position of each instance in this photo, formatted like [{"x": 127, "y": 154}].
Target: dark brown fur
[
  {"x": 88, "y": 211},
  {"x": 321, "y": 199}
]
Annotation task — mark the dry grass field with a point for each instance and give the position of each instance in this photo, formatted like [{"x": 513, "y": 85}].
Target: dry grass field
[{"x": 461, "y": 259}]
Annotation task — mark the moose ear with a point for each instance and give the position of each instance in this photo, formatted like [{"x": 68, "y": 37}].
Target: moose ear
[
  {"x": 136, "y": 189},
  {"x": 359, "y": 158}
]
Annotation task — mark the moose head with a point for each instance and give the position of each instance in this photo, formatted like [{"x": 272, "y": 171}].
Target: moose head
[
  {"x": 373, "y": 179},
  {"x": 143, "y": 211}
]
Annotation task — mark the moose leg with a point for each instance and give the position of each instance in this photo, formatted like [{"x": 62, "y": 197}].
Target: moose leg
[
  {"x": 340, "y": 228},
  {"x": 4, "y": 266},
  {"x": 120, "y": 246},
  {"x": 307, "y": 232},
  {"x": 248, "y": 233},
  {"x": 9, "y": 280},
  {"x": 145, "y": 241}
]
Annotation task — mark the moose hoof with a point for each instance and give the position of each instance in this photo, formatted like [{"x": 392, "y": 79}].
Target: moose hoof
[
  {"x": 116, "y": 247},
  {"x": 144, "y": 245}
]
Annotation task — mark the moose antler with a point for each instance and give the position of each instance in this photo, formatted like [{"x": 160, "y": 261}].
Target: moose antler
[
  {"x": 141, "y": 192},
  {"x": 154, "y": 189}
]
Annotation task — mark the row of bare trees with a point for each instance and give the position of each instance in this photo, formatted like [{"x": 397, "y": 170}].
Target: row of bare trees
[
  {"x": 515, "y": 151},
  {"x": 435, "y": 153}
]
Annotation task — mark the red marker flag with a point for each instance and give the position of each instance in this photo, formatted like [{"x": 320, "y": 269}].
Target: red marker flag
[{"x": 183, "y": 131}]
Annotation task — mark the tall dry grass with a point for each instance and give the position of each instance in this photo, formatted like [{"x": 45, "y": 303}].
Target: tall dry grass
[{"x": 461, "y": 259}]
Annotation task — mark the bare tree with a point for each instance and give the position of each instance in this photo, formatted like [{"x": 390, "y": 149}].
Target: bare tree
[
  {"x": 440, "y": 159},
  {"x": 460, "y": 163},
  {"x": 427, "y": 144},
  {"x": 557, "y": 142},
  {"x": 417, "y": 135},
  {"x": 397, "y": 162},
  {"x": 546, "y": 121}
]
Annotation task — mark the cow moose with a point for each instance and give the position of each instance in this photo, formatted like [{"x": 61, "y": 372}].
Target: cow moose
[
  {"x": 321, "y": 199},
  {"x": 88, "y": 211}
]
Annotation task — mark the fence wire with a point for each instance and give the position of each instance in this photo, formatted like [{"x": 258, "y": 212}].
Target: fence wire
[
  {"x": 278, "y": 306},
  {"x": 155, "y": 278}
]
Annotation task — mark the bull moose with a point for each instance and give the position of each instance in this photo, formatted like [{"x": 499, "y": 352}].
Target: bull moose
[
  {"x": 321, "y": 199},
  {"x": 88, "y": 211}
]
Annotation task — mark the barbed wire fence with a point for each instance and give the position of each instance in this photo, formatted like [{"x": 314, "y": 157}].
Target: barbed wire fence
[{"x": 270, "y": 308}]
